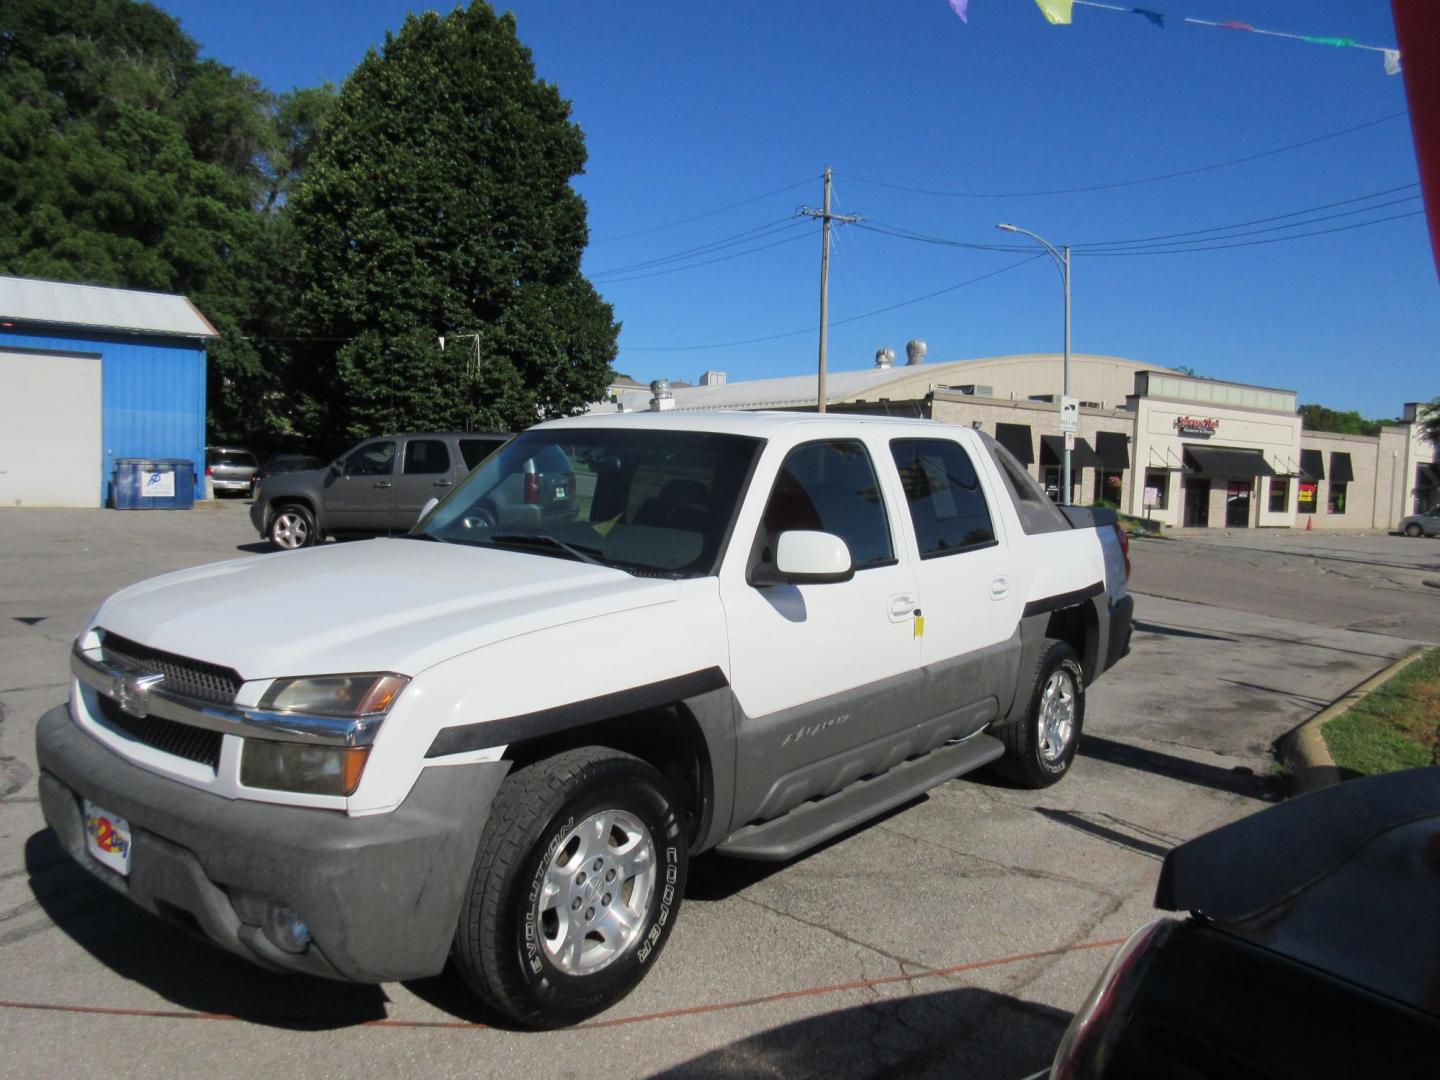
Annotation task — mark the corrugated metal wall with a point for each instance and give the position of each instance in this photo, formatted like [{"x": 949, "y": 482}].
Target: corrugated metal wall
[{"x": 152, "y": 394}]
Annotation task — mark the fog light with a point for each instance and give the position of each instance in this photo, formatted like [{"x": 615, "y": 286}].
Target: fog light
[{"x": 285, "y": 929}]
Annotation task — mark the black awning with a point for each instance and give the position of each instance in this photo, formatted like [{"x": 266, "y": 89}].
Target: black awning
[
  {"x": 1052, "y": 451},
  {"x": 1016, "y": 438},
  {"x": 1312, "y": 464},
  {"x": 1340, "y": 469},
  {"x": 1222, "y": 461},
  {"x": 1114, "y": 450}
]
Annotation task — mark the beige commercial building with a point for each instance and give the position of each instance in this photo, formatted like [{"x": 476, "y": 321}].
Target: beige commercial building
[{"x": 1179, "y": 450}]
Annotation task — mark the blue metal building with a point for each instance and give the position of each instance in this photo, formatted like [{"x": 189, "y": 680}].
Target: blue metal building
[{"x": 90, "y": 375}]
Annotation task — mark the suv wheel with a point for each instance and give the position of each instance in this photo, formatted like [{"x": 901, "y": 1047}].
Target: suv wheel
[
  {"x": 1040, "y": 746},
  {"x": 292, "y": 526},
  {"x": 576, "y": 885}
]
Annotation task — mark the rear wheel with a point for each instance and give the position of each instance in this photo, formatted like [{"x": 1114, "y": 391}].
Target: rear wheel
[
  {"x": 576, "y": 885},
  {"x": 1413, "y": 529},
  {"x": 1040, "y": 746},
  {"x": 292, "y": 526}
]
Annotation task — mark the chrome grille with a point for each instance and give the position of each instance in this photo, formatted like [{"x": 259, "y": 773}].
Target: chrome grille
[
  {"x": 167, "y": 736},
  {"x": 183, "y": 676}
]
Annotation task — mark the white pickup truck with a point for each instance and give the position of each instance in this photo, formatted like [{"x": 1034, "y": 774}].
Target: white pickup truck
[{"x": 502, "y": 741}]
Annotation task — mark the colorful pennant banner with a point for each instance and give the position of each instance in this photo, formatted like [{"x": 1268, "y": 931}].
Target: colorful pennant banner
[{"x": 1059, "y": 13}]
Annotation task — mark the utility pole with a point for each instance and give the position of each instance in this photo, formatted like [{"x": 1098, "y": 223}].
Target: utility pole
[{"x": 826, "y": 217}]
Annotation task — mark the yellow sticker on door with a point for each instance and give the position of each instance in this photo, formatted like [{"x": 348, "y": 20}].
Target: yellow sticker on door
[{"x": 919, "y": 625}]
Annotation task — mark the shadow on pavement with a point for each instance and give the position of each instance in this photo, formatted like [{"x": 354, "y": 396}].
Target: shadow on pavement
[
  {"x": 1237, "y": 781},
  {"x": 1174, "y": 631},
  {"x": 962, "y": 1032},
  {"x": 188, "y": 972}
]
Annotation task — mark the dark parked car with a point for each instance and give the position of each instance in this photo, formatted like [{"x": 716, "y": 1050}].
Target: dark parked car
[
  {"x": 378, "y": 486},
  {"x": 283, "y": 463},
  {"x": 1312, "y": 948},
  {"x": 1426, "y": 524},
  {"x": 231, "y": 469}
]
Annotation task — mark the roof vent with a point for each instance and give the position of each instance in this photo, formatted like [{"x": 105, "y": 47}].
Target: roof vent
[
  {"x": 712, "y": 378},
  {"x": 663, "y": 398},
  {"x": 915, "y": 352},
  {"x": 884, "y": 359}
]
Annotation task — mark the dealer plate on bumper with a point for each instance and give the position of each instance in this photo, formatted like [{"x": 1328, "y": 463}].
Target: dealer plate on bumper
[{"x": 107, "y": 837}]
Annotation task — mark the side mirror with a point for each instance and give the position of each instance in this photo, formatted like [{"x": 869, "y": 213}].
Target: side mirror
[
  {"x": 336, "y": 468},
  {"x": 803, "y": 557}
]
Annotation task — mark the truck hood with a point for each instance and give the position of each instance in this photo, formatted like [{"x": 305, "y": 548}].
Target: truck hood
[{"x": 376, "y": 605}]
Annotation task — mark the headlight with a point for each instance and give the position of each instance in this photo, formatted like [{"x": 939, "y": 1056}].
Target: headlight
[
  {"x": 304, "y": 767},
  {"x": 335, "y": 695}
]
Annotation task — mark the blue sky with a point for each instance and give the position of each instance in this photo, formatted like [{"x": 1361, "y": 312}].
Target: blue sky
[{"x": 689, "y": 108}]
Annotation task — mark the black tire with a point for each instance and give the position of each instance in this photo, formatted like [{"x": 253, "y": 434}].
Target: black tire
[
  {"x": 1032, "y": 760},
  {"x": 292, "y": 526},
  {"x": 509, "y": 947},
  {"x": 1413, "y": 529}
]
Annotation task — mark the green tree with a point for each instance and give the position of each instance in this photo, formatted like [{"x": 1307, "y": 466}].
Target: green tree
[
  {"x": 1319, "y": 418},
  {"x": 437, "y": 202},
  {"x": 126, "y": 160},
  {"x": 1429, "y": 418}
]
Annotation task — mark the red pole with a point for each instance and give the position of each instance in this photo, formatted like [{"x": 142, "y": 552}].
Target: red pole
[{"x": 1418, "y": 35}]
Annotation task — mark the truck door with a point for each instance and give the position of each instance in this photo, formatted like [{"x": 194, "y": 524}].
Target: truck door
[
  {"x": 821, "y": 672},
  {"x": 425, "y": 474},
  {"x": 971, "y": 605},
  {"x": 362, "y": 497}
]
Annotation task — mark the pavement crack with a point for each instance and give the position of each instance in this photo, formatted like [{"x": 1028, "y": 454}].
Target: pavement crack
[
  {"x": 902, "y": 961},
  {"x": 999, "y": 865}
]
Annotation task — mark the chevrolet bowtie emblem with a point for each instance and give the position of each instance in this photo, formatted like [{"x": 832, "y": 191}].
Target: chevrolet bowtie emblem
[{"x": 132, "y": 693}]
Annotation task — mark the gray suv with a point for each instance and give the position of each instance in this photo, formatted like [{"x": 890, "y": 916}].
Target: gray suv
[
  {"x": 231, "y": 470},
  {"x": 377, "y": 486}
]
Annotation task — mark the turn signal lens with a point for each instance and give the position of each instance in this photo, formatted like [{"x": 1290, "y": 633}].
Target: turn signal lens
[
  {"x": 335, "y": 695},
  {"x": 302, "y": 767}
]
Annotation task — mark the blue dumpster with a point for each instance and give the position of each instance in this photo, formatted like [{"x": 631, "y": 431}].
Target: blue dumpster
[{"x": 153, "y": 484}]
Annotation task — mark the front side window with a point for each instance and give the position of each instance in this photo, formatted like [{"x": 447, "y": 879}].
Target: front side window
[
  {"x": 830, "y": 487},
  {"x": 947, "y": 506},
  {"x": 372, "y": 459},
  {"x": 424, "y": 457}
]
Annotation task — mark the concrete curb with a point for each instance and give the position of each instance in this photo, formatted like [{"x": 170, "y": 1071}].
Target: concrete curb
[{"x": 1303, "y": 749}]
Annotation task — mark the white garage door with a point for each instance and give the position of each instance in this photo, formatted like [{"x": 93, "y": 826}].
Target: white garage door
[{"x": 49, "y": 430}]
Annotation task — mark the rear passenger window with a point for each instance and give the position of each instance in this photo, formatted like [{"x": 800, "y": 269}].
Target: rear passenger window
[
  {"x": 831, "y": 487},
  {"x": 947, "y": 505},
  {"x": 424, "y": 456},
  {"x": 475, "y": 451}
]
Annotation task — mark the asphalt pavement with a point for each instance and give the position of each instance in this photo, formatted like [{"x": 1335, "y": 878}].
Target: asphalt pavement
[{"x": 953, "y": 937}]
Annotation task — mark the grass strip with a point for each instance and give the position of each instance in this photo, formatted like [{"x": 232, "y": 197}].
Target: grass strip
[{"x": 1396, "y": 727}]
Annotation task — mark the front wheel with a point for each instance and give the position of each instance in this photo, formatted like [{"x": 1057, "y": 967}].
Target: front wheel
[
  {"x": 293, "y": 526},
  {"x": 1413, "y": 529},
  {"x": 1040, "y": 746},
  {"x": 576, "y": 885}
]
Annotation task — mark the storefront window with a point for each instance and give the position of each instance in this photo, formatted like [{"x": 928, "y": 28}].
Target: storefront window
[
  {"x": 1157, "y": 489},
  {"x": 1337, "y": 497},
  {"x": 1108, "y": 487},
  {"x": 1307, "y": 497},
  {"x": 1279, "y": 495}
]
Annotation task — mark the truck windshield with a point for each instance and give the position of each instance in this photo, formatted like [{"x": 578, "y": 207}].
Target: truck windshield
[{"x": 657, "y": 502}]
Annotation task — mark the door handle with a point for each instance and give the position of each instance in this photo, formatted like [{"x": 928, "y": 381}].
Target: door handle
[
  {"x": 999, "y": 587},
  {"x": 443, "y": 483},
  {"x": 902, "y": 607},
  {"x": 383, "y": 484}
]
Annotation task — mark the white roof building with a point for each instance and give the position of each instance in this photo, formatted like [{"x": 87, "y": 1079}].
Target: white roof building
[{"x": 56, "y": 303}]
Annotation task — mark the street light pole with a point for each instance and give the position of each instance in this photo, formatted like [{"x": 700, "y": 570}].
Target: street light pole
[{"x": 1062, "y": 260}]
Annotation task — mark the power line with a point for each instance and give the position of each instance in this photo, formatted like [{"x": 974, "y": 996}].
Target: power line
[
  {"x": 1254, "y": 243},
  {"x": 837, "y": 322},
  {"x": 1261, "y": 221},
  {"x": 1131, "y": 183},
  {"x": 707, "y": 213},
  {"x": 705, "y": 262},
  {"x": 781, "y": 225}
]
